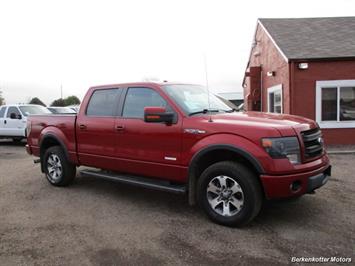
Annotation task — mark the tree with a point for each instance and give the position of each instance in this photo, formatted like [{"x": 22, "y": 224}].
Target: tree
[
  {"x": 71, "y": 100},
  {"x": 58, "y": 102},
  {"x": 36, "y": 100},
  {"x": 2, "y": 100}
]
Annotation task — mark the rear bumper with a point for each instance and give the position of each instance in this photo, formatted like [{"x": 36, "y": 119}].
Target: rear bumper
[{"x": 285, "y": 186}]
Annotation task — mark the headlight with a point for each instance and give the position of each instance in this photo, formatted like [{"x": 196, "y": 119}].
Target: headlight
[
  {"x": 28, "y": 128},
  {"x": 287, "y": 147}
]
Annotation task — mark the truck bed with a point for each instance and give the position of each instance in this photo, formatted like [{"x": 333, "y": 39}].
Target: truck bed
[{"x": 61, "y": 126}]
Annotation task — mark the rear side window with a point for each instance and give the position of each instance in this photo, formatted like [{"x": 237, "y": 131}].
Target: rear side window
[
  {"x": 11, "y": 110},
  {"x": 2, "y": 111},
  {"x": 138, "y": 98},
  {"x": 103, "y": 103}
]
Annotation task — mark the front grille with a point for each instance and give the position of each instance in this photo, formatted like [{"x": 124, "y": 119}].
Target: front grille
[{"x": 313, "y": 143}]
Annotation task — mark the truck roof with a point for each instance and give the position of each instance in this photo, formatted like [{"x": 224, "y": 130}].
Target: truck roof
[
  {"x": 130, "y": 84},
  {"x": 20, "y": 104}
]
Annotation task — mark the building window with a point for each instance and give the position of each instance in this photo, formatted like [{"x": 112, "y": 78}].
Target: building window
[
  {"x": 347, "y": 103},
  {"x": 329, "y": 104},
  {"x": 335, "y": 103},
  {"x": 275, "y": 99}
]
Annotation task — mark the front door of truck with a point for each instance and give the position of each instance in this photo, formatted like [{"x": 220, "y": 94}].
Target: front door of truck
[
  {"x": 96, "y": 135},
  {"x": 13, "y": 125},
  {"x": 149, "y": 149}
]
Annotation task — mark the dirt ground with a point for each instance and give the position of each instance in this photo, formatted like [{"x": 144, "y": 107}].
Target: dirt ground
[{"x": 97, "y": 222}]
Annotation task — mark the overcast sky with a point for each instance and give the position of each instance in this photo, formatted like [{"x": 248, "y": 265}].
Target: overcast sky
[{"x": 44, "y": 44}]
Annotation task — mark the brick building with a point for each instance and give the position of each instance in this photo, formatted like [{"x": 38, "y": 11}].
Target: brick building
[{"x": 306, "y": 67}]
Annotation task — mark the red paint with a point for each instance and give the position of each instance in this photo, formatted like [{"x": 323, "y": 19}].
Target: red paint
[
  {"x": 154, "y": 110},
  {"x": 165, "y": 151},
  {"x": 278, "y": 186},
  {"x": 298, "y": 85}
]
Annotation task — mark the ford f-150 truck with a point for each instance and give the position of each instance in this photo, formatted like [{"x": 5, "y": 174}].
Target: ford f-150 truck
[{"x": 182, "y": 139}]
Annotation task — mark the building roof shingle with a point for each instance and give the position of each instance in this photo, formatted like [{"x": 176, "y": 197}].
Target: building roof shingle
[{"x": 313, "y": 38}]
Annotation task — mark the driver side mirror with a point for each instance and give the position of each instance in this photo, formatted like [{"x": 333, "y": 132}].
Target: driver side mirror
[
  {"x": 158, "y": 115},
  {"x": 15, "y": 116}
]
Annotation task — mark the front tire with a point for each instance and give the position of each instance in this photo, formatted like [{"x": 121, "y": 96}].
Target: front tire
[
  {"x": 229, "y": 193},
  {"x": 58, "y": 170}
]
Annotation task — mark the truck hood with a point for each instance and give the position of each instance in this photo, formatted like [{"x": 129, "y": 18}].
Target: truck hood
[{"x": 285, "y": 124}]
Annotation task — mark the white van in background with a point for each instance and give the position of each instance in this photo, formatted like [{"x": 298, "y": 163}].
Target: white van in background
[{"x": 13, "y": 119}]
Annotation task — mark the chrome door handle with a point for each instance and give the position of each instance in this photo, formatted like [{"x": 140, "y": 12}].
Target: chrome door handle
[{"x": 82, "y": 126}]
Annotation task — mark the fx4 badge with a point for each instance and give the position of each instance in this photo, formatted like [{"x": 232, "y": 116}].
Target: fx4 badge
[{"x": 194, "y": 131}]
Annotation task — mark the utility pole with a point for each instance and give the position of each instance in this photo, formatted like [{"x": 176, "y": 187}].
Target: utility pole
[{"x": 61, "y": 91}]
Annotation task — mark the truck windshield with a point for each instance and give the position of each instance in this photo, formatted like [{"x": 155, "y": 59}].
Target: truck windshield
[
  {"x": 33, "y": 110},
  {"x": 61, "y": 110},
  {"x": 193, "y": 99}
]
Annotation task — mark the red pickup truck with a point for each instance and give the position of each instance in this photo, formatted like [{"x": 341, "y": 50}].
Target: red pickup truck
[{"x": 180, "y": 138}]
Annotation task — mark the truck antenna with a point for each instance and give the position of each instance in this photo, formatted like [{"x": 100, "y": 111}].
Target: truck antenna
[{"x": 208, "y": 90}]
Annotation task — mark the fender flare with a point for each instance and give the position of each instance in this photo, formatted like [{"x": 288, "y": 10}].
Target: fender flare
[
  {"x": 61, "y": 144},
  {"x": 191, "y": 170}
]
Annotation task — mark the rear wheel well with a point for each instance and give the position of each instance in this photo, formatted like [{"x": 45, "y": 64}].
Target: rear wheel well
[
  {"x": 211, "y": 157},
  {"x": 45, "y": 145}
]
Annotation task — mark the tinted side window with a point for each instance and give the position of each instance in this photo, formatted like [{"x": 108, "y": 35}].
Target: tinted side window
[
  {"x": 138, "y": 98},
  {"x": 2, "y": 111},
  {"x": 103, "y": 103},
  {"x": 11, "y": 110}
]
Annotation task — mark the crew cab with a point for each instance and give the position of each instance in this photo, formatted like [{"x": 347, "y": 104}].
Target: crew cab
[
  {"x": 182, "y": 139},
  {"x": 13, "y": 119}
]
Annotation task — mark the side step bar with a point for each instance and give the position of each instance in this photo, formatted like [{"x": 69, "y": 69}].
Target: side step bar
[{"x": 136, "y": 180}]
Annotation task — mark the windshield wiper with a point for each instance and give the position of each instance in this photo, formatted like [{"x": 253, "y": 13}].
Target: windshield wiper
[{"x": 204, "y": 111}]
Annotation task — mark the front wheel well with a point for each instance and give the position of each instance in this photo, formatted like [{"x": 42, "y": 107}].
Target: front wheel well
[{"x": 202, "y": 162}]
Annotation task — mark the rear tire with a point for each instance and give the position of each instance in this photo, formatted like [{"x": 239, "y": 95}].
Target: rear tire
[
  {"x": 58, "y": 170},
  {"x": 229, "y": 193}
]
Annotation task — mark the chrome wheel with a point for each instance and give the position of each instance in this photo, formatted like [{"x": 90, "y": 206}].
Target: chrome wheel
[
  {"x": 54, "y": 167},
  {"x": 225, "y": 195}
]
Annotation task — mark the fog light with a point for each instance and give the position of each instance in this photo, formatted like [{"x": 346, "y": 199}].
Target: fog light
[
  {"x": 295, "y": 186},
  {"x": 293, "y": 158}
]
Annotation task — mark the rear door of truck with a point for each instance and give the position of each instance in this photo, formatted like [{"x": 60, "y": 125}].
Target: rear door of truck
[{"x": 95, "y": 127}]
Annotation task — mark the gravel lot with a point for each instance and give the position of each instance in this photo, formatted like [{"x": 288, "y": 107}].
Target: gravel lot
[{"x": 97, "y": 222}]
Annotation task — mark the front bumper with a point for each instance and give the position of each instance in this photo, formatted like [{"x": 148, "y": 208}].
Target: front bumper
[
  {"x": 28, "y": 149},
  {"x": 284, "y": 186}
]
